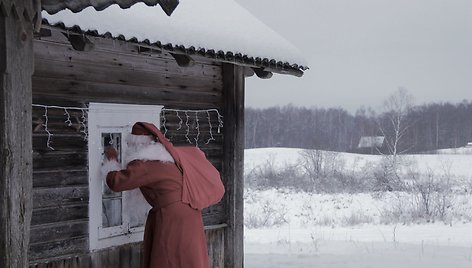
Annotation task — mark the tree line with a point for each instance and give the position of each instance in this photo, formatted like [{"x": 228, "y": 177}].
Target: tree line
[{"x": 420, "y": 127}]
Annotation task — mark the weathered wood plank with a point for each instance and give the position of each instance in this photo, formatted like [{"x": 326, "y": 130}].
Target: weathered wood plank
[
  {"x": 60, "y": 142},
  {"x": 16, "y": 68},
  {"x": 204, "y": 126},
  {"x": 70, "y": 122},
  {"x": 111, "y": 74},
  {"x": 59, "y": 231},
  {"x": 214, "y": 218},
  {"x": 59, "y": 213},
  {"x": 53, "y": 159},
  {"x": 63, "y": 89},
  {"x": 125, "y": 256},
  {"x": 120, "y": 76},
  {"x": 109, "y": 45},
  {"x": 60, "y": 178},
  {"x": 47, "y": 197},
  {"x": 180, "y": 140},
  {"x": 233, "y": 163},
  {"x": 57, "y": 248},
  {"x": 163, "y": 63},
  {"x": 130, "y": 255},
  {"x": 216, "y": 253},
  {"x": 121, "y": 257}
]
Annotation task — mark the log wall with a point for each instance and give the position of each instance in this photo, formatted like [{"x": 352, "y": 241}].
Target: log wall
[{"x": 114, "y": 72}]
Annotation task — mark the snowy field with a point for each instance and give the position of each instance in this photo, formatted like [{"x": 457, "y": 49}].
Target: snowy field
[{"x": 288, "y": 228}]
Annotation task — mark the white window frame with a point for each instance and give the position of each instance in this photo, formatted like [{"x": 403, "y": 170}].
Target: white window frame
[{"x": 112, "y": 118}]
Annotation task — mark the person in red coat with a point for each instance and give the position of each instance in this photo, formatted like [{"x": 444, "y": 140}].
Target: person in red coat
[{"x": 174, "y": 233}]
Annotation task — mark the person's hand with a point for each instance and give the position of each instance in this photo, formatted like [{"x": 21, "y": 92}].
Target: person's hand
[{"x": 111, "y": 153}]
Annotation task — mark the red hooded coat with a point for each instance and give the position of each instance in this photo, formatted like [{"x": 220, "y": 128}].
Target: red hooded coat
[{"x": 174, "y": 235}]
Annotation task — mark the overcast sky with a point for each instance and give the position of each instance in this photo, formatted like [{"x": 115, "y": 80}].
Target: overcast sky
[{"x": 360, "y": 51}]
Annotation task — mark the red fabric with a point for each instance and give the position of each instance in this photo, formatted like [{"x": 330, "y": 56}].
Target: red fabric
[
  {"x": 139, "y": 129},
  {"x": 202, "y": 185},
  {"x": 174, "y": 235}
]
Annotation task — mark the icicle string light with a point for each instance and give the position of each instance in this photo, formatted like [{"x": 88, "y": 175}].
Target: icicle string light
[
  {"x": 180, "y": 122},
  {"x": 188, "y": 128},
  {"x": 220, "y": 122},
  {"x": 211, "y": 133},
  {"x": 197, "y": 128},
  {"x": 48, "y": 142},
  {"x": 164, "y": 125},
  {"x": 84, "y": 130},
  {"x": 206, "y": 113},
  {"x": 59, "y": 107},
  {"x": 68, "y": 120},
  {"x": 82, "y": 122}
]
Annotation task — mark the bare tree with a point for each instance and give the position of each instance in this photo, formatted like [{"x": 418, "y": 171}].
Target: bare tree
[
  {"x": 397, "y": 106},
  {"x": 393, "y": 126}
]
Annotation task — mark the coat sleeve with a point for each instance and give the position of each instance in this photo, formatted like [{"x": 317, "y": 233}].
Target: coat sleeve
[{"x": 135, "y": 175}]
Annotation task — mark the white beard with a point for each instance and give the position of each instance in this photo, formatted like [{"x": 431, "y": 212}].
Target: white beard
[
  {"x": 138, "y": 151},
  {"x": 147, "y": 152}
]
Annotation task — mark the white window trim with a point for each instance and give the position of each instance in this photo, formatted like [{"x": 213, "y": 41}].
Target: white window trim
[{"x": 104, "y": 117}]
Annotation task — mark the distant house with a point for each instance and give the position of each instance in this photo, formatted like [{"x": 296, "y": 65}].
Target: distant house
[
  {"x": 469, "y": 145},
  {"x": 370, "y": 144}
]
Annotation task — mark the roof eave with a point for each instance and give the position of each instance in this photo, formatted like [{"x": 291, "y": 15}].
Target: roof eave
[
  {"x": 267, "y": 65},
  {"x": 54, "y": 6}
]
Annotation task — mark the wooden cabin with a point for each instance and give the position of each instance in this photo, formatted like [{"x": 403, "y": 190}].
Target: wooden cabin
[
  {"x": 371, "y": 145},
  {"x": 95, "y": 73}
]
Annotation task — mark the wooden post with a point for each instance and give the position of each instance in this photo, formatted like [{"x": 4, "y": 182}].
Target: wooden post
[
  {"x": 16, "y": 68},
  {"x": 233, "y": 94}
]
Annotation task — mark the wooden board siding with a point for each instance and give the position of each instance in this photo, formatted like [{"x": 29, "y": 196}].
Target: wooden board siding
[
  {"x": 114, "y": 72},
  {"x": 16, "y": 60},
  {"x": 234, "y": 163},
  {"x": 129, "y": 255},
  {"x": 60, "y": 187}
]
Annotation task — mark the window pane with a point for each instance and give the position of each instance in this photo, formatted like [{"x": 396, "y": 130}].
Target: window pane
[
  {"x": 111, "y": 212},
  {"x": 136, "y": 208},
  {"x": 112, "y": 139},
  {"x": 111, "y": 201}
]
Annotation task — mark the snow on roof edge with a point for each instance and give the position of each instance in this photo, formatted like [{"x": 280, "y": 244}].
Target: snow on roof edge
[
  {"x": 255, "y": 44},
  {"x": 54, "y": 6}
]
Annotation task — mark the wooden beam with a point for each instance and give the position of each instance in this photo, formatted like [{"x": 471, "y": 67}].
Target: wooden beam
[
  {"x": 183, "y": 60},
  {"x": 80, "y": 42},
  {"x": 248, "y": 72},
  {"x": 261, "y": 73},
  {"x": 16, "y": 68},
  {"x": 233, "y": 157}
]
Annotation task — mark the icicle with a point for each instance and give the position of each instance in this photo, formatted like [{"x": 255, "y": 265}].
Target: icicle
[
  {"x": 48, "y": 143},
  {"x": 220, "y": 122},
  {"x": 188, "y": 128},
  {"x": 197, "y": 128},
  {"x": 83, "y": 125},
  {"x": 68, "y": 122},
  {"x": 180, "y": 122},
  {"x": 199, "y": 131},
  {"x": 164, "y": 123},
  {"x": 211, "y": 133}
]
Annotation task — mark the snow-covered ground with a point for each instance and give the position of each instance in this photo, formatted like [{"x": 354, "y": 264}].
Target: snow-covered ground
[
  {"x": 353, "y": 254},
  {"x": 285, "y": 228}
]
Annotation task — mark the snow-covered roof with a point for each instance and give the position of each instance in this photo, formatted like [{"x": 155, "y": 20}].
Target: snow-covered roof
[
  {"x": 53, "y": 6},
  {"x": 219, "y": 29}
]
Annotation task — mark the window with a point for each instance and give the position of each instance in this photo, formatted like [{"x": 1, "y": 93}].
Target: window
[{"x": 115, "y": 218}]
